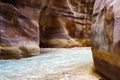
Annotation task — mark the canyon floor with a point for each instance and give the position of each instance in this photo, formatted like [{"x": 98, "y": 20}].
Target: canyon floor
[{"x": 52, "y": 64}]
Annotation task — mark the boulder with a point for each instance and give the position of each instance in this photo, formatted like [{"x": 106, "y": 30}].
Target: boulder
[{"x": 106, "y": 37}]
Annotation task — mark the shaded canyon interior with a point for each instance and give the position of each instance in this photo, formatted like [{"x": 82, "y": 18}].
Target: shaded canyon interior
[{"x": 27, "y": 25}]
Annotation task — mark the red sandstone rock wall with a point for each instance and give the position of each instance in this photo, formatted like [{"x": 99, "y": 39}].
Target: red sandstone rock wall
[
  {"x": 66, "y": 23},
  {"x": 105, "y": 26},
  {"x": 51, "y": 23},
  {"x": 19, "y": 28},
  {"x": 106, "y": 37}
]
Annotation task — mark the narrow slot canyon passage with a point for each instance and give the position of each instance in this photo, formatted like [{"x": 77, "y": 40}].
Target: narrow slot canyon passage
[
  {"x": 59, "y": 39},
  {"x": 52, "y": 64}
]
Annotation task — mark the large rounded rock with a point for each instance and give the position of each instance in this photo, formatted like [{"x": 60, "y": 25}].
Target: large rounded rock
[{"x": 19, "y": 29}]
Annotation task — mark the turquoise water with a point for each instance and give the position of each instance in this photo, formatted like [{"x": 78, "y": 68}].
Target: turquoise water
[{"x": 39, "y": 66}]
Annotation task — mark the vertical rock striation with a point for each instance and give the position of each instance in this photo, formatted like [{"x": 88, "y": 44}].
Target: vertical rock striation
[
  {"x": 106, "y": 37},
  {"x": 19, "y": 28},
  {"x": 65, "y": 23}
]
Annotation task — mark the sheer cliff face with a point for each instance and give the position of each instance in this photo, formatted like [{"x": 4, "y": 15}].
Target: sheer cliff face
[
  {"x": 65, "y": 23},
  {"x": 19, "y": 29},
  {"x": 106, "y": 37}
]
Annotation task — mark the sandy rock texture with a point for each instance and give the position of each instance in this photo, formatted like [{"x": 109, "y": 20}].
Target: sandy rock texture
[
  {"x": 105, "y": 37},
  {"x": 65, "y": 23},
  {"x": 25, "y": 25},
  {"x": 19, "y": 29}
]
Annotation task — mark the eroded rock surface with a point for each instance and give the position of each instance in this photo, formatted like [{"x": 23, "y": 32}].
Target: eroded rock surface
[
  {"x": 66, "y": 23},
  {"x": 51, "y": 23},
  {"x": 105, "y": 37},
  {"x": 19, "y": 29}
]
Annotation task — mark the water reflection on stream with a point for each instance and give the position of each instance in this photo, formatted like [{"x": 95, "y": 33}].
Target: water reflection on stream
[{"x": 53, "y": 61}]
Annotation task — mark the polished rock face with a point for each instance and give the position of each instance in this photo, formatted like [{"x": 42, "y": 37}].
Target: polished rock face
[
  {"x": 65, "y": 23},
  {"x": 19, "y": 29},
  {"x": 105, "y": 26},
  {"x": 106, "y": 37},
  {"x": 26, "y": 25}
]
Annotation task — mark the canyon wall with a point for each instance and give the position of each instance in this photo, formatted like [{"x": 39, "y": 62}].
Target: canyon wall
[
  {"x": 106, "y": 37},
  {"x": 19, "y": 28},
  {"x": 29, "y": 24},
  {"x": 65, "y": 23}
]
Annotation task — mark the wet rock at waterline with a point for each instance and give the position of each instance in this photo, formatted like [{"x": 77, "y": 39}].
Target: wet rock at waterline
[
  {"x": 66, "y": 23},
  {"x": 19, "y": 29},
  {"x": 106, "y": 37}
]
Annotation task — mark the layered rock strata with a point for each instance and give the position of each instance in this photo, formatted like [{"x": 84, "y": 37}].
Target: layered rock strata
[
  {"x": 51, "y": 23},
  {"x": 19, "y": 28},
  {"x": 106, "y": 37},
  {"x": 66, "y": 23}
]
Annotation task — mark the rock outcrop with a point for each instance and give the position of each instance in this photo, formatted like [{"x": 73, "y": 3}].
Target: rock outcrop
[
  {"x": 51, "y": 23},
  {"x": 19, "y": 28},
  {"x": 106, "y": 37},
  {"x": 65, "y": 23}
]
